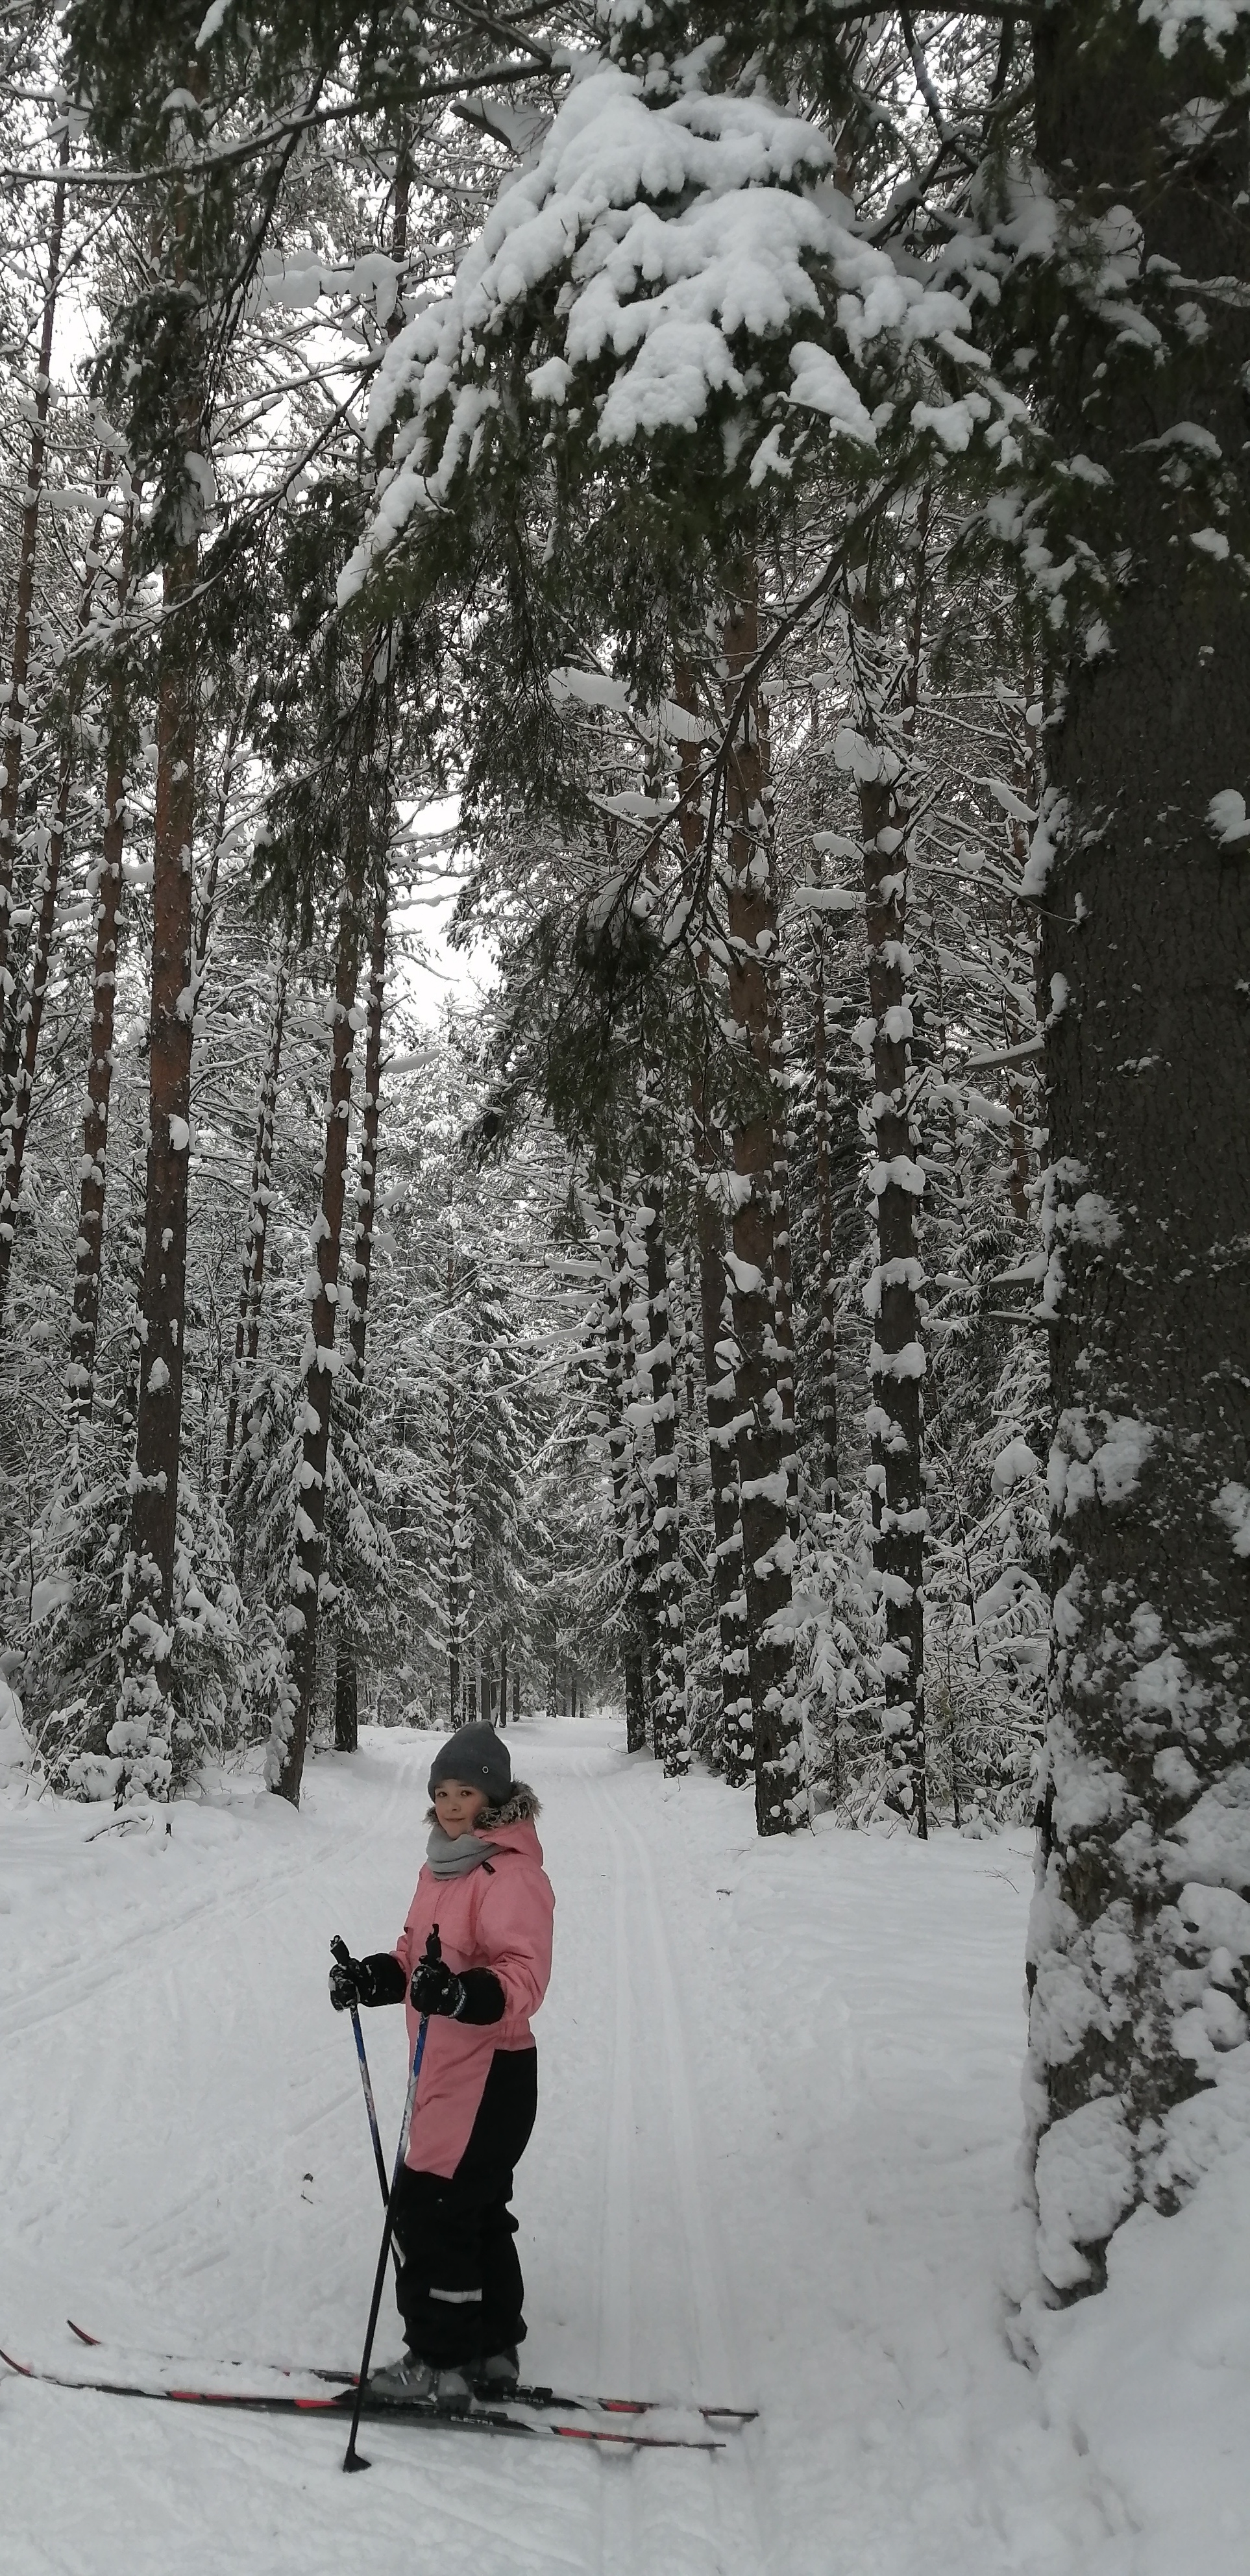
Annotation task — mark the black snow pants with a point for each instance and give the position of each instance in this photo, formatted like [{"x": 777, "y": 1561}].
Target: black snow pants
[{"x": 460, "y": 2290}]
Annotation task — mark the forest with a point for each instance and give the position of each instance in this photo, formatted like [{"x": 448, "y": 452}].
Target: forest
[{"x": 720, "y": 533}]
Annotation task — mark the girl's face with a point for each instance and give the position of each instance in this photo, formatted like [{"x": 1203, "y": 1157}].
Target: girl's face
[{"x": 458, "y": 1807}]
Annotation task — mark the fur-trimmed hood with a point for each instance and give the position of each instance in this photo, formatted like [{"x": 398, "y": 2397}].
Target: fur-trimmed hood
[{"x": 521, "y": 1807}]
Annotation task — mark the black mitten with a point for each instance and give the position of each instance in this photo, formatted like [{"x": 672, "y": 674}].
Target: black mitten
[
  {"x": 379, "y": 1979},
  {"x": 436, "y": 1988}
]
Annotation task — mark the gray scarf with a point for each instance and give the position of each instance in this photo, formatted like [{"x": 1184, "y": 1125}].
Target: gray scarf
[{"x": 454, "y": 1855}]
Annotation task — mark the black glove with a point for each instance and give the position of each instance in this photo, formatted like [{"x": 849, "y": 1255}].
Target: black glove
[
  {"x": 344, "y": 1978},
  {"x": 378, "y": 1979},
  {"x": 435, "y": 1988}
]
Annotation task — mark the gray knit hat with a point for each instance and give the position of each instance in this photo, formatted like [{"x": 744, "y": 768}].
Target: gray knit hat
[{"x": 475, "y": 1755}]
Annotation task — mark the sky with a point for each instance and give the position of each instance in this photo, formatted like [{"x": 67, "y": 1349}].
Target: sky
[{"x": 427, "y": 970}]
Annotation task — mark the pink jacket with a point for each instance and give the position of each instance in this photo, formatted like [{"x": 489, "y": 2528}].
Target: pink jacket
[{"x": 499, "y": 1918}]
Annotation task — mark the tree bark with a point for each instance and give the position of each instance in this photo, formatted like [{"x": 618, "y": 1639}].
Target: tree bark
[
  {"x": 897, "y": 1358},
  {"x": 251, "y": 1286},
  {"x": 21, "y": 1053},
  {"x": 142, "y": 1734},
  {"x": 1141, "y": 872},
  {"x": 671, "y": 1733},
  {"x": 451, "y": 1523},
  {"x": 763, "y": 1455},
  {"x": 827, "y": 1425},
  {"x": 618, "y": 1456},
  {"x": 366, "y": 1188},
  {"x": 15, "y": 713},
  {"x": 346, "y": 1696},
  {"x": 107, "y": 891},
  {"x": 319, "y": 1362},
  {"x": 719, "y": 1350},
  {"x": 347, "y": 1688}
]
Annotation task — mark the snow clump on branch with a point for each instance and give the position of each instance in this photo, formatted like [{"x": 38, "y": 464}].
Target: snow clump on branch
[{"x": 672, "y": 260}]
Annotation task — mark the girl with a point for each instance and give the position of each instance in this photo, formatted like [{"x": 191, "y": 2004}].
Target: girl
[{"x": 483, "y": 1885}]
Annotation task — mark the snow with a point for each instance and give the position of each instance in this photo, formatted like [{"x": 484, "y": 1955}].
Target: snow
[
  {"x": 1177, "y": 19},
  {"x": 1012, "y": 1464},
  {"x": 1154, "y": 2377},
  {"x": 1084, "y": 2186},
  {"x": 213, "y": 21},
  {"x": 1226, "y": 814},
  {"x": 775, "y": 2164},
  {"x": 1232, "y": 1505}
]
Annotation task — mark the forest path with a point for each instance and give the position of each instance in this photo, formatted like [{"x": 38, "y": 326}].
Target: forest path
[{"x": 773, "y": 2167}]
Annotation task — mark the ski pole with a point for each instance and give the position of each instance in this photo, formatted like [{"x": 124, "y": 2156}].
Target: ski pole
[
  {"x": 340, "y": 1951},
  {"x": 351, "y": 2457},
  {"x": 343, "y": 1955}
]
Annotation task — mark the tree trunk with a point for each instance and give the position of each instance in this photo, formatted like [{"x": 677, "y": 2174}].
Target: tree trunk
[
  {"x": 892, "y": 1295},
  {"x": 618, "y": 1468},
  {"x": 366, "y": 1188},
  {"x": 319, "y": 1364},
  {"x": 142, "y": 1733},
  {"x": 247, "y": 1319},
  {"x": 15, "y": 713},
  {"x": 107, "y": 891},
  {"x": 346, "y": 1696},
  {"x": 783, "y": 1268},
  {"x": 23, "y": 1028},
  {"x": 671, "y": 1734},
  {"x": 641, "y": 1545},
  {"x": 503, "y": 1683},
  {"x": 451, "y": 1523},
  {"x": 777, "y": 1749},
  {"x": 827, "y": 1427},
  {"x": 362, "y": 1256},
  {"x": 1142, "y": 874},
  {"x": 719, "y": 1353}
]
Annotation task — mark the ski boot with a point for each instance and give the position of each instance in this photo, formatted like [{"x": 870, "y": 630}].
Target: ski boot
[
  {"x": 411, "y": 2381},
  {"x": 495, "y": 2374}
]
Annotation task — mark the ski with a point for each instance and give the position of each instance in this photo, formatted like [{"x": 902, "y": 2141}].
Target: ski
[
  {"x": 524, "y": 2394},
  {"x": 480, "y": 2419}
]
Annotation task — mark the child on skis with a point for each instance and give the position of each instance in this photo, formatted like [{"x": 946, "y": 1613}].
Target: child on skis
[{"x": 460, "y": 2290}]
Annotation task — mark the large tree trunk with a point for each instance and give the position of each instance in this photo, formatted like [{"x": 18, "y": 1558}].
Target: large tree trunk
[
  {"x": 366, "y": 1186},
  {"x": 141, "y": 1735},
  {"x": 451, "y": 1524},
  {"x": 827, "y": 1424},
  {"x": 671, "y": 1725},
  {"x": 719, "y": 1349},
  {"x": 24, "y": 1026},
  {"x": 1142, "y": 872},
  {"x": 892, "y": 1294},
  {"x": 346, "y": 1696},
  {"x": 347, "y": 1685},
  {"x": 319, "y": 1363},
  {"x": 763, "y": 1453},
  {"x": 642, "y": 1544},
  {"x": 618, "y": 1439},
  {"x": 251, "y": 1285},
  {"x": 105, "y": 885},
  {"x": 16, "y": 712}
]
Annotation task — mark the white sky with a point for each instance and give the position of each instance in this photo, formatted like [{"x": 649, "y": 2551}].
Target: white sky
[{"x": 439, "y": 974}]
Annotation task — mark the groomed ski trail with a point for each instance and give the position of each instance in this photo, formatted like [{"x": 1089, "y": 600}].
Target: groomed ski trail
[{"x": 721, "y": 2528}]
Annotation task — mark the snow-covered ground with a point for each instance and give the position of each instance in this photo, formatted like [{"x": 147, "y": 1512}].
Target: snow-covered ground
[{"x": 774, "y": 2166}]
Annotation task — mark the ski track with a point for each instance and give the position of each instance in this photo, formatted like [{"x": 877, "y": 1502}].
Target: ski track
[
  {"x": 772, "y": 2164},
  {"x": 727, "y": 2499}
]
